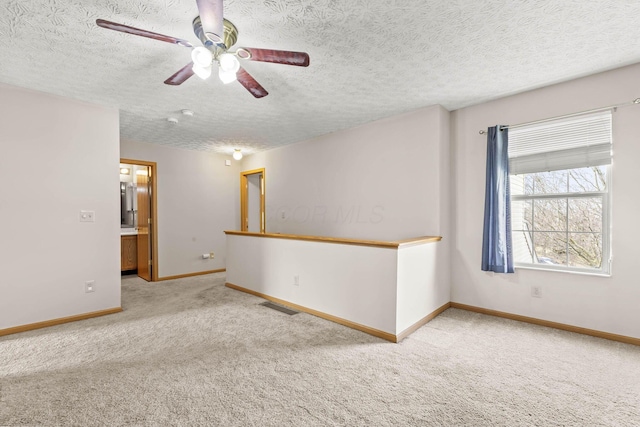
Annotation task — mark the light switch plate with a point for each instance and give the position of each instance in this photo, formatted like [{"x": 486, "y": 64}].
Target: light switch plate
[{"x": 87, "y": 216}]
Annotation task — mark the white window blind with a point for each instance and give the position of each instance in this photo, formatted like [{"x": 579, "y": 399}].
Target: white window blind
[{"x": 565, "y": 143}]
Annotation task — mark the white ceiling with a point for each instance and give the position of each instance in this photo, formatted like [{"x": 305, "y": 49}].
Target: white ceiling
[{"x": 369, "y": 59}]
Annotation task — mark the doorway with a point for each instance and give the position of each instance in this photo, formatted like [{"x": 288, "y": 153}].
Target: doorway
[
  {"x": 252, "y": 196},
  {"x": 144, "y": 212}
]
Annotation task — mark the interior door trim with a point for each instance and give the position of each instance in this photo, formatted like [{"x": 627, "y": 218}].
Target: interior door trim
[
  {"x": 154, "y": 212},
  {"x": 244, "y": 199}
]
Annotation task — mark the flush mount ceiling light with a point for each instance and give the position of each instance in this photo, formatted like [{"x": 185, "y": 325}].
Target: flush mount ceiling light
[
  {"x": 237, "y": 154},
  {"x": 188, "y": 113},
  {"x": 125, "y": 171}
]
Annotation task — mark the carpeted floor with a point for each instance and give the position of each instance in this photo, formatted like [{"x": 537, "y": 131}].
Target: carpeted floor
[{"x": 192, "y": 352}]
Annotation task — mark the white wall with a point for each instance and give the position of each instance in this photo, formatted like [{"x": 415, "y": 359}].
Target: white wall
[
  {"x": 198, "y": 198},
  {"x": 355, "y": 283},
  {"x": 423, "y": 283},
  {"x": 384, "y": 180},
  {"x": 59, "y": 156},
  {"x": 605, "y": 304},
  {"x": 388, "y": 289}
]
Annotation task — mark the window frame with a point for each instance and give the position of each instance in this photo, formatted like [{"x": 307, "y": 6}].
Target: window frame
[{"x": 605, "y": 196}]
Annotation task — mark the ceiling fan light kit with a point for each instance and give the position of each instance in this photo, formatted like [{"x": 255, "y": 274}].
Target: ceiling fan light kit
[
  {"x": 201, "y": 56},
  {"x": 227, "y": 77},
  {"x": 229, "y": 66},
  {"x": 203, "y": 72},
  {"x": 217, "y": 36},
  {"x": 229, "y": 63},
  {"x": 202, "y": 59}
]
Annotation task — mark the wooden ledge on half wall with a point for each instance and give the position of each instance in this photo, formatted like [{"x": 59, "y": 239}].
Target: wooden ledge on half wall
[{"x": 394, "y": 244}]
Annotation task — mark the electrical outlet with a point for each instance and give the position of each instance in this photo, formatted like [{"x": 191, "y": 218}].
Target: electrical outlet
[
  {"x": 536, "y": 291},
  {"x": 90, "y": 286},
  {"x": 211, "y": 255},
  {"x": 296, "y": 280},
  {"x": 87, "y": 216}
]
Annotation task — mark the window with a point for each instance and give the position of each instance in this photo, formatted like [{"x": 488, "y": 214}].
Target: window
[{"x": 560, "y": 188}]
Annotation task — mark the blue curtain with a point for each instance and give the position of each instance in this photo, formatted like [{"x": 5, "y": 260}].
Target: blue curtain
[{"x": 497, "y": 253}]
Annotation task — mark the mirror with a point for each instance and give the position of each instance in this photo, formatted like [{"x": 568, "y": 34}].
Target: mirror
[
  {"x": 128, "y": 205},
  {"x": 128, "y": 199}
]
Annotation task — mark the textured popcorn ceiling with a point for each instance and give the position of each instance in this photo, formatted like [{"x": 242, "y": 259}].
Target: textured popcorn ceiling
[{"x": 369, "y": 59}]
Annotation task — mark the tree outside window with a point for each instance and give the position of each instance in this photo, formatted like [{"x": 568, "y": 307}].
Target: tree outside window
[{"x": 558, "y": 217}]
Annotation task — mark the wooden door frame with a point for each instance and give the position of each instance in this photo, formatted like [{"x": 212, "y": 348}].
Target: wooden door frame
[
  {"x": 244, "y": 199},
  {"x": 154, "y": 212}
]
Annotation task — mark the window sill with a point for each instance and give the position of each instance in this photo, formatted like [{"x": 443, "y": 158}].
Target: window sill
[{"x": 559, "y": 270}]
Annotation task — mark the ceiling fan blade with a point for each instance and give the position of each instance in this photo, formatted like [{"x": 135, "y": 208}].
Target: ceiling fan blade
[
  {"x": 138, "y": 32},
  {"x": 181, "y": 76},
  {"x": 300, "y": 59},
  {"x": 251, "y": 84},
  {"x": 211, "y": 16}
]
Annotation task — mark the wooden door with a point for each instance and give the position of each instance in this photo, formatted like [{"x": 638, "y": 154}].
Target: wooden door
[{"x": 143, "y": 182}]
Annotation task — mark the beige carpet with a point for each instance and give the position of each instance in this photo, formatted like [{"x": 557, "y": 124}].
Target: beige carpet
[{"x": 192, "y": 352}]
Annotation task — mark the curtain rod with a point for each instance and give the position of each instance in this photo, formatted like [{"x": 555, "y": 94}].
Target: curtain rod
[{"x": 611, "y": 107}]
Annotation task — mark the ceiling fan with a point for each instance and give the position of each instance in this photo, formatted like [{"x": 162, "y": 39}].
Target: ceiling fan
[{"x": 217, "y": 35}]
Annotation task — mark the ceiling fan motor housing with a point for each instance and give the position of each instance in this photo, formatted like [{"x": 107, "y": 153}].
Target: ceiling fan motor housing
[{"x": 229, "y": 37}]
